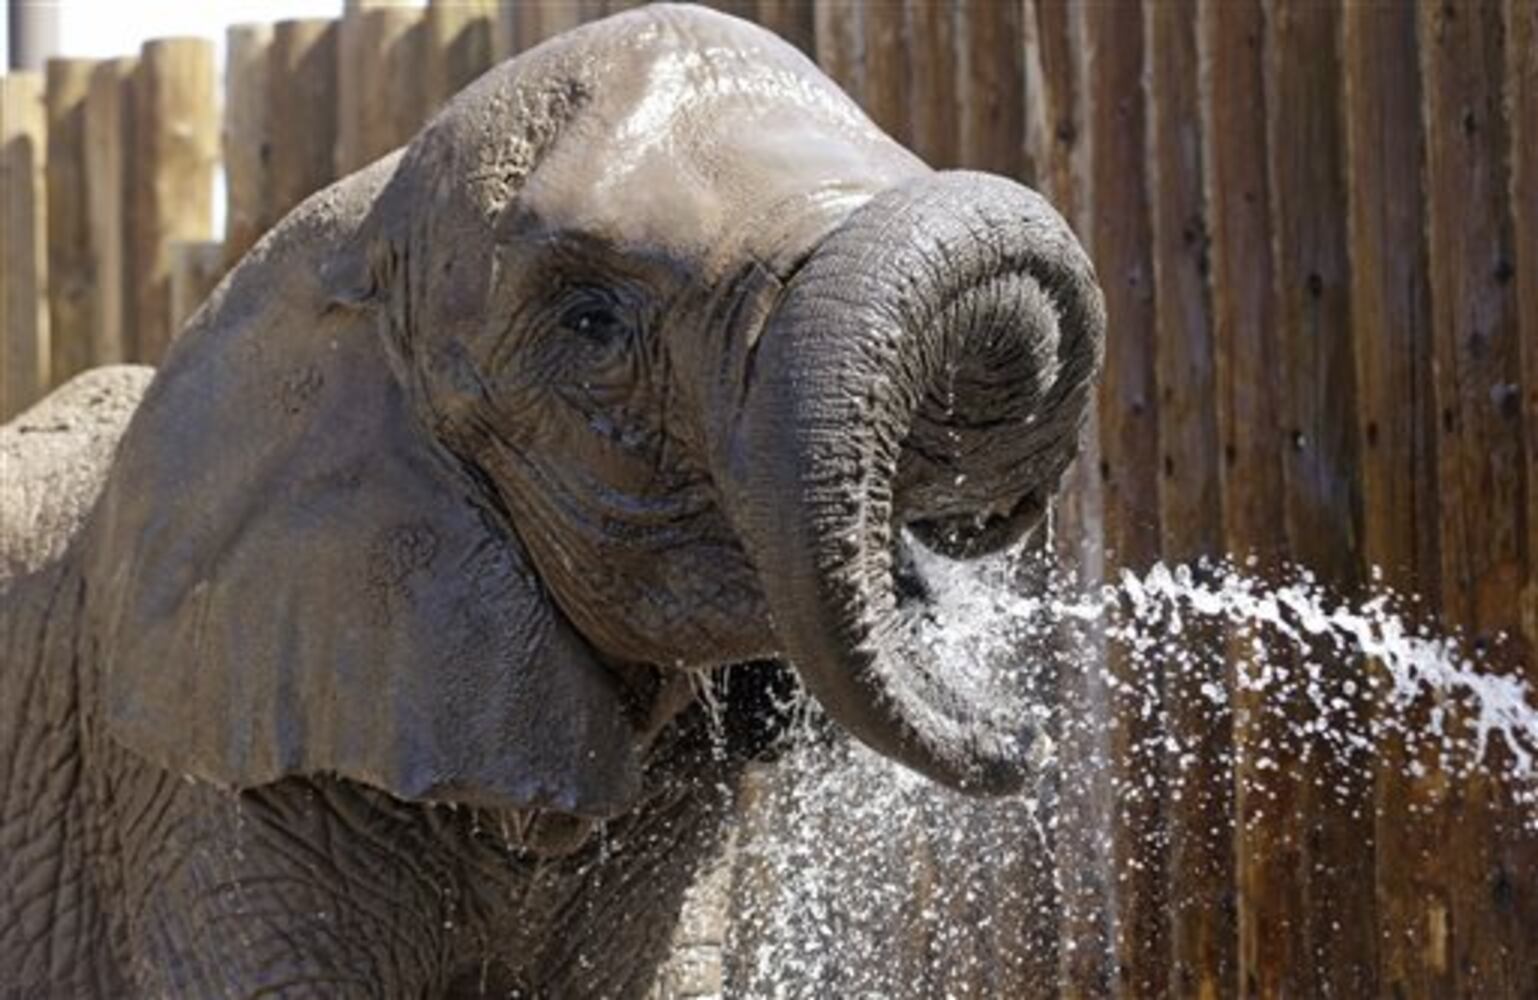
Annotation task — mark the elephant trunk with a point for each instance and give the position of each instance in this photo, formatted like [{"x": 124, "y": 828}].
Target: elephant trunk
[{"x": 928, "y": 368}]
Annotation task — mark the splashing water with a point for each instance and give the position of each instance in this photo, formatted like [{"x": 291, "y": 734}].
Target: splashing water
[{"x": 855, "y": 877}]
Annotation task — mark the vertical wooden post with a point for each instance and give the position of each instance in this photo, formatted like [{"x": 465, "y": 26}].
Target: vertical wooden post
[
  {"x": 110, "y": 168},
  {"x": 462, "y": 43},
  {"x": 993, "y": 89},
  {"x": 379, "y": 97},
  {"x": 1200, "y": 810},
  {"x": 793, "y": 20},
  {"x": 302, "y": 93},
  {"x": 1522, "y": 109},
  {"x": 249, "y": 138},
  {"x": 838, "y": 28},
  {"x": 1323, "y": 502},
  {"x": 934, "y": 126},
  {"x": 1396, "y": 440},
  {"x": 71, "y": 284},
  {"x": 1119, "y": 239},
  {"x": 1231, "y": 39},
  {"x": 176, "y": 136},
  {"x": 196, "y": 267},
  {"x": 1053, "y": 46},
  {"x": 887, "y": 69},
  {"x": 536, "y": 21},
  {"x": 24, "y": 250},
  {"x": 1481, "y": 463}
]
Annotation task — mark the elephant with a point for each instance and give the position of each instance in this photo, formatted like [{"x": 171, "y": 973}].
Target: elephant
[{"x": 408, "y": 630}]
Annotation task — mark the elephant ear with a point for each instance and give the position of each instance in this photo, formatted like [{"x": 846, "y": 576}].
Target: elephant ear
[{"x": 289, "y": 576}]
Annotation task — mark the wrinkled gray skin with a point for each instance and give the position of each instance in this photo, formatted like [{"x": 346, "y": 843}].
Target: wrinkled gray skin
[{"x": 369, "y": 664}]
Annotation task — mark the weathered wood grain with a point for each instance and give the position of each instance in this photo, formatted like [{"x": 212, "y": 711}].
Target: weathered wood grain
[
  {"x": 249, "y": 138},
  {"x": 1397, "y": 444},
  {"x": 792, "y": 20},
  {"x": 380, "y": 99},
  {"x": 302, "y": 83},
  {"x": 992, "y": 92},
  {"x": 176, "y": 137},
  {"x": 1305, "y": 145},
  {"x": 1118, "y": 236},
  {"x": 1481, "y": 464},
  {"x": 1200, "y": 810},
  {"x": 196, "y": 267},
  {"x": 71, "y": 281},
  {"x": 1231, "y": 39},
  {"x": 462, "y": 42},
  {"x": 110, "y": 168},
  {"x": 24, "y": 251}
]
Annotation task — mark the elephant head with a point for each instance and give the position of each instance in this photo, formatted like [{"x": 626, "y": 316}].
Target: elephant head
[{"x": 634, "y": 364}]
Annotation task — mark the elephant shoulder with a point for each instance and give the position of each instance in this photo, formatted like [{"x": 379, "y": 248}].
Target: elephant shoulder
[{"x": 55, "y": 457}]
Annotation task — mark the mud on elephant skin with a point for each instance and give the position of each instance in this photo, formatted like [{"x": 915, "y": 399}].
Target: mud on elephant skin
[{"x": 371, "y": 661}]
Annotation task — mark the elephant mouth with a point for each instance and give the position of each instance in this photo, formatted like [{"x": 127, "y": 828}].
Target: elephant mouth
[{"x": 926, "y": 372}]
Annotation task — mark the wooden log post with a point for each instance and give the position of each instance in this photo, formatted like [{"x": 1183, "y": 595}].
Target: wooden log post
[
  {"x": 1396, "y": 431},
  {"x": 1521, "y": 21},
  {"x": 196, "y": 267},
  {"x": 1305, "y": 142},
  {"x": 1081, "y": 849},
  {"x": 1231, "y": 36},
  {"x": 1118, "y": 238},
  {"x": 379, "y": 98},
  {"x": 934, "y": 128},
  {"x": 840, "y": 34},
  {"x": 110, "y": 169},
  {"x": 176, "y": 138},
  {"x": 793, "y": 20},
  {"x": 1481, "y": 464},
  {"x": 462, "y": 42},
  {"x": 71, "y": 281},
  {"x": 249, "y": 138},
  {"x": 1199, "y": 765},
  {"x": 531, "y": 22},
  {"x": 302, "y": 80},
  {"x": 993, "y": 89},
  {"x": 887, "y": 69},
  {"x": 24, "y": 347}
]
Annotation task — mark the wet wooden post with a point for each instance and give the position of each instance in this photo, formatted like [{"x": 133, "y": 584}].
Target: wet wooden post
[
  {"x": 1521, "y": 21},
  {"x": 250, "y": 137},
  {"x": 1081, "y": 848},
  {"x": 530, "y": 22},
  {"x": 993, "y": 89},
  {"x": 1481, "y": 463},
  {"x": 1200, "y": 809},
  {"x": 71, "y": 283},
  {"x": 1309, "y": 209},
  {"x": 380, "y": 104},
  {"x": 463, "y": 41},
  {"x": 1396, "y": 440},
  {"x": 1231, "y": 38},
  {"x": 24, "y": 251},
  {"x": 176, "y": 140},
  {"x": 887, "y": 69},
  {"x": 109, "y": 122},
  {"x": 196, "y": 267},
  {"x": 793, "y": 20},
  {"x": 302, "y": 78},
  {"x": 1118, "y": 237},
  {"x": 934, "y": 128},
  {"x": 840, "y": 34}
]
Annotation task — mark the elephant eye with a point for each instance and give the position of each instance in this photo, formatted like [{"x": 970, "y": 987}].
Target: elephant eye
[{"x": 597, "y": 322}]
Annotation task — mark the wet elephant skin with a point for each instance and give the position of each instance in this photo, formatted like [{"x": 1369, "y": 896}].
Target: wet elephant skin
[{"x": 364, "y": 649}]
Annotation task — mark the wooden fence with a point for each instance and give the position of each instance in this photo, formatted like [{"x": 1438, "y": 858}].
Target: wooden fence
[{"x": 1317, "y": 230}]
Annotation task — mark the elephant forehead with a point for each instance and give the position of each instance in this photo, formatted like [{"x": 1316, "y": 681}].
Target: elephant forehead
[{"x": 709, "y": 143}]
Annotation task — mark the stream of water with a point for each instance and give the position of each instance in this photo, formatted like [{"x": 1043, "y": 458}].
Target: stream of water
[{"x": 875, "y": 883}]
